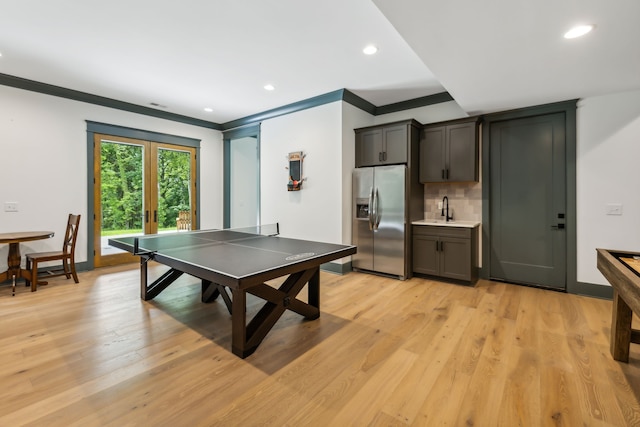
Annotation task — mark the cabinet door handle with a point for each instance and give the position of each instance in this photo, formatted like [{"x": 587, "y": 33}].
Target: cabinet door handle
[
  {"x": 441, "y": 246},
  {"x": 380, "y": 156},
  {"x": 442, "y": 173},
  {"x": 447, "y": 174},
  {"x": 146, "y": 216}
]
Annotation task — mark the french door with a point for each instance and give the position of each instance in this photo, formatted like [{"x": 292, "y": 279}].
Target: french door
[{"x": 141, "y": 187}]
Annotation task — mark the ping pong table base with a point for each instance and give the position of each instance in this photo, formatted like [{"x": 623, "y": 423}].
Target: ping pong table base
[{"x": 245, "y": 338}]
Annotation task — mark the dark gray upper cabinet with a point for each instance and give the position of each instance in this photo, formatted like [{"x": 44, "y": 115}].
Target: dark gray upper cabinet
[
  {"x": 449, "y": 152},
  {"x": 386, "y": 144}
]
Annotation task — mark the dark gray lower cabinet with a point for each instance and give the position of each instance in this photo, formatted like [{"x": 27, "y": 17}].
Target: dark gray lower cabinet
[{"x": 445, "y": 251}]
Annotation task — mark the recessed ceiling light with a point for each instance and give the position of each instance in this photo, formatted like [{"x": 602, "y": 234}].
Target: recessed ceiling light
[
  {"x": 269, "y": 87},
  {"x": 208, "y": 109},
  {"x": 578, "y": 30},
  {"x": 370, "y": 50}
]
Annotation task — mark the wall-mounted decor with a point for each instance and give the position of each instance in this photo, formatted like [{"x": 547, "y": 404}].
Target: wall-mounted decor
[{"x": 295, "y": 171}]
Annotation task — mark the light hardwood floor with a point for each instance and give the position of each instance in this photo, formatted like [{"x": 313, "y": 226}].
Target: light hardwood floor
[{"x": 383, "y": 353}]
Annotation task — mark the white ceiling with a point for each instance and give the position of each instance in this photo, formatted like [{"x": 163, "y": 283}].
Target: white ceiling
[
  {"x": 495, "y": 55},
  {"x": 489, "y": 55}
]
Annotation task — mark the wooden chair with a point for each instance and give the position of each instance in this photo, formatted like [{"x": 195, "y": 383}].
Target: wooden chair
[
  {"x": 66, "y": 255},
  {"x": 183, "y": 222}
]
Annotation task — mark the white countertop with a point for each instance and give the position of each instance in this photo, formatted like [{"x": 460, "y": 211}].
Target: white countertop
[{"x": 442, "y": 223}]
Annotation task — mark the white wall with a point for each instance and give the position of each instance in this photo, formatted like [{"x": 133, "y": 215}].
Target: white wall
[
  {"x": 314, "y": 212},
  {"x": 608, "y": 171},
  {"x": 352, "y": 118},
  {"x": 429, "y": 114},
  {"x": 43, "y": 164}
]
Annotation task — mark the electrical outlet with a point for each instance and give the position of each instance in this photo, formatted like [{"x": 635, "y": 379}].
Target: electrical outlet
[
  {"x": 614, "y": 209},
  {"x": 439, "y": 205},
  {"x": 11, "y": 206}
]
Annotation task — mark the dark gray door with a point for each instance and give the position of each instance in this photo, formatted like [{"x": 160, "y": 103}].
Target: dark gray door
[{"x": 528, "y": 201}]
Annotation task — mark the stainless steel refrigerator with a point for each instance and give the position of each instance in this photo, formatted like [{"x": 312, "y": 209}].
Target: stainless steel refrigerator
[{"x": 380, "y": 220}]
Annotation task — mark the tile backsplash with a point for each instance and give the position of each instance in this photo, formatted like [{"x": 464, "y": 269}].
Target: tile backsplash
[{"x": 465, "y": 198}]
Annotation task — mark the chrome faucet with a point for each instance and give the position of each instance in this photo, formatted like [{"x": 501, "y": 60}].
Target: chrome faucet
[{"x": 445, "y": 209}]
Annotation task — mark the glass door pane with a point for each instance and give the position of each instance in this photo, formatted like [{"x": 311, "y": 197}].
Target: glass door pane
[
  {"x": 121, "y": 200},
  {"x": 174, "y": 195}
]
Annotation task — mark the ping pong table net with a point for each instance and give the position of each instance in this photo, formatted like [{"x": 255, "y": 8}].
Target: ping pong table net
[{"x": 149, "y": 245}]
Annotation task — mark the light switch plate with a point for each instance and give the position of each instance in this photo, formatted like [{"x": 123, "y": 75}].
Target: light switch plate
[
  {"x": 11, "y": 206},
  {"x": 614, "y": 208}
]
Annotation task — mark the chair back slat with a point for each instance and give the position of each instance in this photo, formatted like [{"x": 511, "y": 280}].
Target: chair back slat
[{"x": 71, "y": 234}]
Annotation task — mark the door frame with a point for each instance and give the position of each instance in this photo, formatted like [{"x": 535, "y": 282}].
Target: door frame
[
  {"x": 227, "y": 137},
  {"x": 94, "y": 128},
  {"x": 568, "y": 108}
]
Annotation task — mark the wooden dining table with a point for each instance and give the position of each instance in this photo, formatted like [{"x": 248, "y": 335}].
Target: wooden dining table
[{"x": 14, "y": 271}]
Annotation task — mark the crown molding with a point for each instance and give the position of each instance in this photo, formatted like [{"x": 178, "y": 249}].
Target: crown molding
[
  {"x": 61, "y": 92},
  {"x": 344, "y": 95}
]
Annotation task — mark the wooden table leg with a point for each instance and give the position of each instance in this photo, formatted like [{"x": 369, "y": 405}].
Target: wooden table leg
[
  {"x": 13, "y": 266},
  {"x": 150, "y": 291},
  {"x": 13, "y": 260},
  {"x": 211, "y": 291},
  {"x": 313, "y": 289},
  {"x": 144, "y": 277},
  {"x": 239, "y": 324},
  {"x": 246, "y": 337},
  {"x": 620, "y": 328}
]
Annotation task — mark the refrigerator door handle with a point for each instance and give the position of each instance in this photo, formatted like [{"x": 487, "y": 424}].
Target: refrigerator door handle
[
  {"x": 376, "y": 215},
  {"x": 371, "y": 208}
]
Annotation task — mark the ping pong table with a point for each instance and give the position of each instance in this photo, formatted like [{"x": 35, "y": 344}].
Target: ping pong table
[{"x": 234, "y": 262}]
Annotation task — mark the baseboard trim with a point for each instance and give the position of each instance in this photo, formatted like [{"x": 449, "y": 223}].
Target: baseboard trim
[
  {"x": 80, "y": 266},
  {"x": 334, "y": 267},
  {"x": 592, "y": 290}
]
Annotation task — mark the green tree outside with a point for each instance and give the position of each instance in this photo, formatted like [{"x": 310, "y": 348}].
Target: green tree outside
[
  {"x": 122, "y": 187},
  {"x": 174, "y": 176}
]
